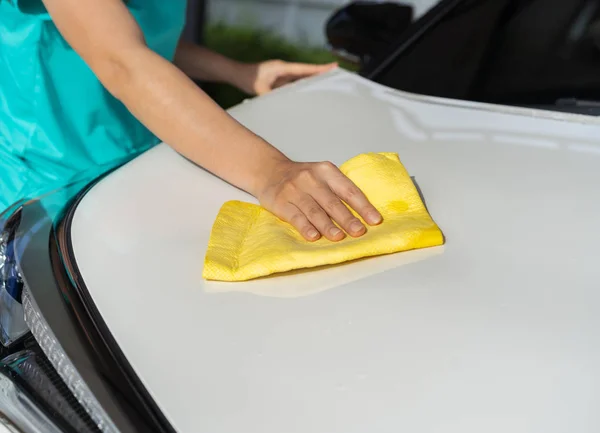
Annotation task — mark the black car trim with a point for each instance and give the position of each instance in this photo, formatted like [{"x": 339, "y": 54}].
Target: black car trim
[
  {"x": 84, "y": 306},
  {"x": 77, "y": 325},
  {"x": 40, "y": 275}
]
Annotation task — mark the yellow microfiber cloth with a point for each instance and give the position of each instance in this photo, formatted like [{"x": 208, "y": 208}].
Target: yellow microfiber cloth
[{"x": 248, "y": 241}]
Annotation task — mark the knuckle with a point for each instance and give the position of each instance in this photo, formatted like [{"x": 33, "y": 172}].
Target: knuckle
[
  {"x": 335, "y": 205},
  {"x": 306, "y": 174},
  {"x": 298, "y": 220},
  {"x": 280, "y": 205},
  {"x": 351, "y": 192},
  {"x": 314, "y": 212},
  {"x": 327, "y": 166},
  {"x": 288, "y": 188}
]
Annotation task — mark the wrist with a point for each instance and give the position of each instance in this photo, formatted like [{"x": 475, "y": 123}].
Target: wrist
[
  {"x": 242, "y": 76},
  {"x": 269, "y": 171}
]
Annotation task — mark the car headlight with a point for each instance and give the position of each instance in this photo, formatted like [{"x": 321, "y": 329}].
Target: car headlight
[
  {"x": 32, "y": 369},
  {"x": 19, "y": 412},
  {"x": 63, "y": 365},
  {"x": 19, "y": 315},
  {"x": 19, "y": 406},
  {"x": 12, "y": 325}
]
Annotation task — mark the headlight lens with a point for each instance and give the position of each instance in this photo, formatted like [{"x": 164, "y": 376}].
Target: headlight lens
[
  {"x": 9, "y": 275},
  {"x": 63, "y": 366},
  {"x": 33, "y": 369},
  {"x": 12, "y": 325},
  {"x": 18, "y": 412}
]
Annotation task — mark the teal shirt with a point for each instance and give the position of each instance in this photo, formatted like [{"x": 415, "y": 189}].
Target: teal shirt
[{"x": 56, "y": 118}]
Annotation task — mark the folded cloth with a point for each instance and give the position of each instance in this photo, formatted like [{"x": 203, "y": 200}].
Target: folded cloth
[{"x": 248, "y": 241}]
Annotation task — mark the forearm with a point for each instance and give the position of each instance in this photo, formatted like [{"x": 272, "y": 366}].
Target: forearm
[
  {"x": 203, "y": 64},
  {"x": 182, "y": 115},
  {"x": 162, "y": 97}
]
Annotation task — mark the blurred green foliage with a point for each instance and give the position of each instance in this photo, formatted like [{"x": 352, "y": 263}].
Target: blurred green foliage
[{"x": 251, "y": 45}]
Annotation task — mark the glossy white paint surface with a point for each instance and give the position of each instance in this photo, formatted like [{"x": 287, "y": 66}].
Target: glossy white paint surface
[
  {"x": 4, "y": 428},
  {"x": 498, "y": 331}
]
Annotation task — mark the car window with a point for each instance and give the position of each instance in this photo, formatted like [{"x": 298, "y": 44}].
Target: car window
[{"x": 542, "y": 53}]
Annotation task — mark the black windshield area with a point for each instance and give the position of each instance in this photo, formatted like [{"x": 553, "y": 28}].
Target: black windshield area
[{"x": 543, "y": 53}]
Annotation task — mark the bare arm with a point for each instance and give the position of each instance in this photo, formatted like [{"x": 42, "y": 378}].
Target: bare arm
[
  {"x": 253, "y": 78},
  {"x": 164, "y": 99},
  {"x": 108, "y": 38},
  {"x": 203, "y": 64}
]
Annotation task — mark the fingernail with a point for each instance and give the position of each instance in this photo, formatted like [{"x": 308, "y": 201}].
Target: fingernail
[
  {"x": 312, "y": 233},
  {"x": 356, "y": 226},
  {"x": 335, "y": 232},
  {"x": 374, "y": 218}
]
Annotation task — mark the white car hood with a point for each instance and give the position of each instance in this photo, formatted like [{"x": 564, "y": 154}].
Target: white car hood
[{"x": 496, "y": 331}]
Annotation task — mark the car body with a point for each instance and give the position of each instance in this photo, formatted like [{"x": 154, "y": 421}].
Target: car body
[{"x": 495, "y": 331}]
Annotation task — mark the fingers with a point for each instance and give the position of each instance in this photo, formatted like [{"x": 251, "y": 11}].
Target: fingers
[
  {"x": 345, "y": 189},
  {"x": 314, "y": 198},
  {"x": 305, "y": 70},
  {"x": 282, "y": 81},
  {"x": 319, "y": 218},
  {"x": 290, "y": 213},
  {"x": 337, "y": 210},
  {"x": 278, "y": 73}
]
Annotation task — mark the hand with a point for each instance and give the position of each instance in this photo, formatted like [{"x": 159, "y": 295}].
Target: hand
[
  {"x": 261, "y": 78},
  {"x": 309, "y": 196}
]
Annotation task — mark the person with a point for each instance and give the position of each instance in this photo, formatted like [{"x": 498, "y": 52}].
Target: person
[{"x": 86, "y": 82}]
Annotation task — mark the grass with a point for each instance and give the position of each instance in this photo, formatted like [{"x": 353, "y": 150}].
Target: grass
[{"x": 251, "y": 45}]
